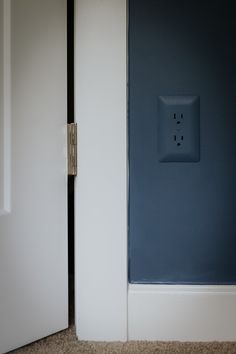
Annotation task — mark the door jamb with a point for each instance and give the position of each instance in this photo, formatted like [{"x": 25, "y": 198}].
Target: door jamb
[{"x": 101, "y": 186}]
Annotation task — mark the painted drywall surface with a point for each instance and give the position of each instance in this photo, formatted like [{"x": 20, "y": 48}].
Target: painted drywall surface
[{"x": 182, "y": 215}]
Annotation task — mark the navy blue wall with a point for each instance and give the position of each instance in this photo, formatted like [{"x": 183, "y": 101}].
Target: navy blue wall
[{"x": 182, "y": 215}]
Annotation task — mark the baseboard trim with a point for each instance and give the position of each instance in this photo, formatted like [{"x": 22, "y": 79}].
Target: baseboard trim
[{"x": 182, "y": 312}]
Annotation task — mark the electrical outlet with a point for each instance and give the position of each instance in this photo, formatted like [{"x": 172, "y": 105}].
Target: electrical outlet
[{"x": 179, "y": 128}]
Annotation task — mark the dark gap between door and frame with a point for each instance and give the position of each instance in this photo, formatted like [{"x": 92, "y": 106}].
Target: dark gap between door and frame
[{"x": 70, "y": 119}]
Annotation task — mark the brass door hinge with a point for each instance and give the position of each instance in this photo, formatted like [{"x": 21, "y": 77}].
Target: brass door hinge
[{"x": 72, "y": 149}]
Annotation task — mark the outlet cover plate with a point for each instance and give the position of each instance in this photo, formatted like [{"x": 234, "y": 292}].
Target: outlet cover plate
[{"x": 179, "y": 128}]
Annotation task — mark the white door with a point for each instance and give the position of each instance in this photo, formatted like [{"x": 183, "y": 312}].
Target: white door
[{"x": 33, "y": 180}]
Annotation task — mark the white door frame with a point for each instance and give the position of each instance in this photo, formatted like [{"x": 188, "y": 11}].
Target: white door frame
[
  {"x": 107, "y": 309},
  {"x": 101, "y": 185}
]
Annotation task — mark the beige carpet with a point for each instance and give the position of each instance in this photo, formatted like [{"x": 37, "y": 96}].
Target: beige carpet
[{"x": 66, "y": 342}]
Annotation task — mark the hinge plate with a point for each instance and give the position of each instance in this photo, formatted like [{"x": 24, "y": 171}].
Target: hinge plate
[{"x": 72, "y": 149}]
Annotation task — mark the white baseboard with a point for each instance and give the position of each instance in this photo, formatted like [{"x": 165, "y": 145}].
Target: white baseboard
[{"x": 182, "y": 312}]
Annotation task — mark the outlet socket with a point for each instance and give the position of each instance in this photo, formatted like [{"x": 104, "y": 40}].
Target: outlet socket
[{"x": 179, "y": 128}]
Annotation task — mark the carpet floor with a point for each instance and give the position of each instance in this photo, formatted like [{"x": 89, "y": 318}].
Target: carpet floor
[{"x": 66, "y": 342}]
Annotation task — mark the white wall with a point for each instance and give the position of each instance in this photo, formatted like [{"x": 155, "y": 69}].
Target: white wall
[{"x": 101, "y": 195}]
